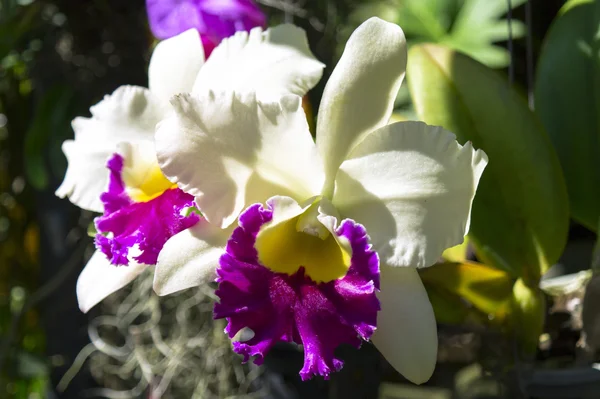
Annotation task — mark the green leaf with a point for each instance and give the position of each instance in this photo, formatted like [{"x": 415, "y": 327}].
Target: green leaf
[
  {"x": 486, "y": 288},
  {"x": 448, "y": 309},
  {"x": 52, "y": 118},
  {"x": 520, "y": 213},
  {"x": 527, "y": 314},
  {"x": 458, "y": 253},
  {"x": 478, "y": 26},
  {"x": 482, "y": 14},
  {"x": 91, "y": 230},
  {"x": 567, "y": 98},
  {"x": 471, "y": 26},
  {"x": 428, "y": 19}
]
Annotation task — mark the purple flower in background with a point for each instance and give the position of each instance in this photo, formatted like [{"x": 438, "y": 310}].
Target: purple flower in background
[{"x": 214, "y": 19}]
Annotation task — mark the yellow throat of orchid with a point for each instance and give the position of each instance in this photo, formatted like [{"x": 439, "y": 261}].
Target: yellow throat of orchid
[
  {"x": 303, "y": 241},
  {"x": 145, "y": 184}
]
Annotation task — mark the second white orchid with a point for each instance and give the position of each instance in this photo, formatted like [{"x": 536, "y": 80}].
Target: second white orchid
[{"x": 112, "y": 161}]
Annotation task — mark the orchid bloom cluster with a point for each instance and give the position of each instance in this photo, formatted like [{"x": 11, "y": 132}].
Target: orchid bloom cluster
[{"x": 312, "y": 242}]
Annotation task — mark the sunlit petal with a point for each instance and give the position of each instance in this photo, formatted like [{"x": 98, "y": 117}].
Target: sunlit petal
[
  {"x": 406, "y": 332},
  {"x": 217, "y": 143},
  {"x": 190, "y": 258},
  {"x": 412, "y": 186},
  {"x": 99, "y": 279},
  {"x": 175, "y": 63},
  {"x": 360, "y": 93},
  {"x": 276, "y": 61}
]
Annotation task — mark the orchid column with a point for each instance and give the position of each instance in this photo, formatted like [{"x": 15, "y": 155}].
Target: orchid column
[{"x": 318, "y": 223}]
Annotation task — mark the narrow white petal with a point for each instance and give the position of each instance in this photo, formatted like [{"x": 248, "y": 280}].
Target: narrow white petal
[
  {"x": 411, "y": 185},
  {"x": 360, "y": 93},
  {"x": 175, "y": 64},
  {"x": 232, "y": 150},
  {"x": 99, "y": 279},
  {"x": 406, "y": 332},
  {"x": 190, "y": 258},
  {"x": 129, "y": 114},
  {"x": 276, "y": 61}
]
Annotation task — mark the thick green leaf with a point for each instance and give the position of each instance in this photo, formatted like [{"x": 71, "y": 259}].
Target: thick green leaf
[
  {"x": 520, "y": 212},
  {"x": 486, "y": 288},
  {"x": 448, "y": 308},
  {"x": 567, "y": 99}
]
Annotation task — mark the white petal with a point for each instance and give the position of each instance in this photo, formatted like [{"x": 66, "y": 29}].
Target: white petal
[
  {"x": 232, "y": 150},
  {"x": 276, "y": 61},
  {"x": 411, "y": 185},
  {"x": 360, "y": 93},
  {"x": 406, "y": 332},
  {"x": 175, "y": 64},
  {"x": 190, "y": 258},
  {"x": 99, "y": 279},
  {"x": 87, "y": 176},
  {"x": 130, "y": 114}
]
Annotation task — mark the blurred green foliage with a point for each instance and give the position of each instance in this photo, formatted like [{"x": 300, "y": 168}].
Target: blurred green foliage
[
  {"x": 567, "y": 97},
  {"x": 19, "y": 232},
  {"x": 473, "y": 27}
]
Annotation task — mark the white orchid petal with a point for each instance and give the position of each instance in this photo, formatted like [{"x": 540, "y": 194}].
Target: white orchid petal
[
  {"x": 276, "y": 61},
  {"x": 175, "y": 64},
  {"x": 217, "y": 143},
  {"x": 360, "y": 93},
  {"x": 87, "y": 176},
  {"x": 406, "y": 332},
  {"x": 190, "y": 258},
  {"x": 129, "y": 114},
  {"x": 411, "y": 185},
  {"x": 99, "y": 279}
]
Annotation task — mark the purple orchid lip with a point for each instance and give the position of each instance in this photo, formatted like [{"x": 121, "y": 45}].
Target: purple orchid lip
[
  {"x": 213, "y": 19},
  {"x": 293, "y": 308},
  {"x": 147, "y": 225}
]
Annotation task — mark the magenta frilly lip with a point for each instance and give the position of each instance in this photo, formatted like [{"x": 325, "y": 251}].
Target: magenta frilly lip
[
  {"x": 293, "y": 308},
  {"x": 145, "y": 224}
]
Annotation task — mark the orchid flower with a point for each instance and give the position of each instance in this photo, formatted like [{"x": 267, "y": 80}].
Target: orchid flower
[
  {"x": 214, "y": 19},
  {"x": 112, "y": 162},
  {"x": 330, "y": 234}
]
